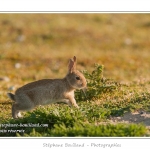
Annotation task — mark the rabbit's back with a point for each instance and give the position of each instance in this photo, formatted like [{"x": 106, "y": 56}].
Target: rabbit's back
[
  {"x": 42, "y": 92},
  {"x": 36, "y": 84}
]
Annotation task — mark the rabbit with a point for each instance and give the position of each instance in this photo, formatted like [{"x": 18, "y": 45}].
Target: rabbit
[{"x": 48, "y": 91}]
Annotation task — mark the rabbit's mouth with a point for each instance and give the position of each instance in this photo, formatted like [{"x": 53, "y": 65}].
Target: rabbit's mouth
[
  {"x": 82, "y": 86},
  {"x": 79, "y": 86}
]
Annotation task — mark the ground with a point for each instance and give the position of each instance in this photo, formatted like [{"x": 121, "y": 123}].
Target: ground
[{"x": 136, "y": 117}]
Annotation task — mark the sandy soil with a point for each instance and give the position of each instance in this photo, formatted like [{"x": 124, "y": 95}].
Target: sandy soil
[{"x": 136, "y": 117}]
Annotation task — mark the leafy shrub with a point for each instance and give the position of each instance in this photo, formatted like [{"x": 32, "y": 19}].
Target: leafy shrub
[
  {"x": 96, "y": 84},
  {"x": 104, "y": 130}
]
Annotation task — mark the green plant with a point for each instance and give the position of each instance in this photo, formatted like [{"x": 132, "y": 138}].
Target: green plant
[
  {"x": 90, "y": 130},
  {"x": 96, "y": 84}
]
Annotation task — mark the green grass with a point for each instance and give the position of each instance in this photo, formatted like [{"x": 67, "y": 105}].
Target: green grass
[
  {"x": 113, "y": 53},
  {"x": 63, "y": 121}
]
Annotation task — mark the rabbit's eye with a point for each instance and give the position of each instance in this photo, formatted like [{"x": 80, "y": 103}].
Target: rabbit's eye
[{"x": 78, "y": 78}]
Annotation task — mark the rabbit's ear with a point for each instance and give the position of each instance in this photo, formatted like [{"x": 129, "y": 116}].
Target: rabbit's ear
[
  {"x": 75, "y": 59},
  {"x": 72, "y": 65}
]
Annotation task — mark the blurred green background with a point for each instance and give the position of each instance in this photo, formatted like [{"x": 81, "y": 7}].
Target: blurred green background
[{"x": 34, "y": 46}]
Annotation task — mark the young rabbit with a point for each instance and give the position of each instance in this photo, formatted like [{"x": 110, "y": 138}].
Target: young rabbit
[{"x": 47, "y": 91}]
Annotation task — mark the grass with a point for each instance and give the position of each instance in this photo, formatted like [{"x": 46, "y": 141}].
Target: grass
[{"x": 43, "y": 43}]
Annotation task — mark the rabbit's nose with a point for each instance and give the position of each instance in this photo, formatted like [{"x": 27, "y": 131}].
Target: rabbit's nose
[{"x": 83, "y": 85}]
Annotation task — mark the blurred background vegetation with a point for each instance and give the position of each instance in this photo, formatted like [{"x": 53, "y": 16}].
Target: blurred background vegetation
[{"x": 35, "y": 46}]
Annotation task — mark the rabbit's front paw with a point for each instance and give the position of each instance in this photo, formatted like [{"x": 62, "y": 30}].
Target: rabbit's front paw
[{"x": 76, "y": 106}]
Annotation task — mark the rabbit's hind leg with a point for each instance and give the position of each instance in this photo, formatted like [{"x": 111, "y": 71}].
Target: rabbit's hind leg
[
  {"x": 15, "y": 112},
  {"x": 17, "y": 107}
]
